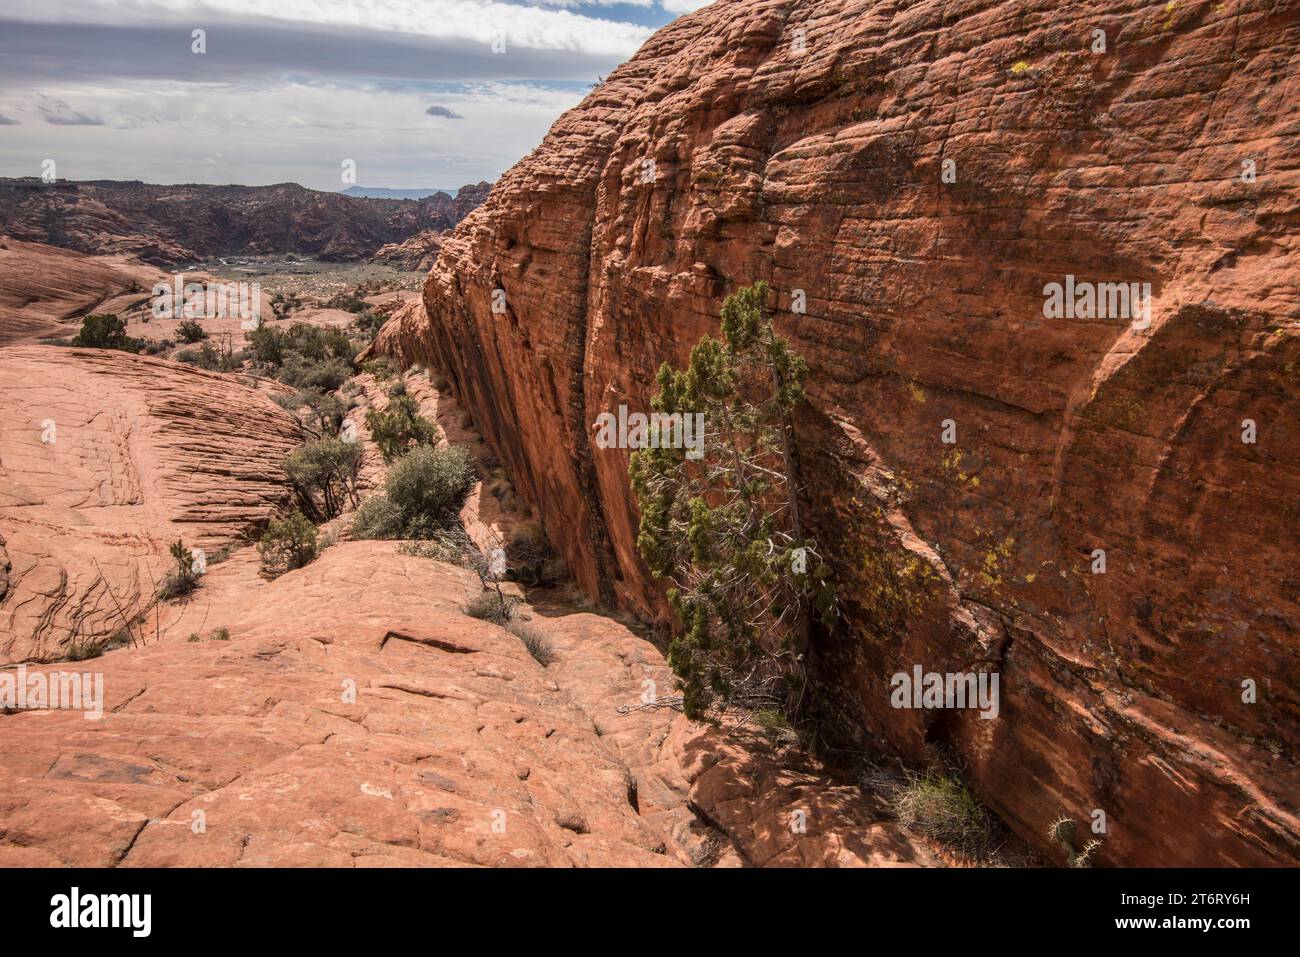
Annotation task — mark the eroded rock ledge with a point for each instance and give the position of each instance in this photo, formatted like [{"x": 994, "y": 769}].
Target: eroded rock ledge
[{"x": 356, "y": 717}]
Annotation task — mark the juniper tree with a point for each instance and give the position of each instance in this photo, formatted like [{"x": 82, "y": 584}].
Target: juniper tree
[{"x": 724, "y": 530}]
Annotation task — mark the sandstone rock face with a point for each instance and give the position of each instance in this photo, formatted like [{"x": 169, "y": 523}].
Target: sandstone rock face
[
  {"x": 806, "y": 143},
  {"x": 354, "y": 716},
  {"x": 106, "y": 459},
  {"x": 173, "y": 224},
  {"x": 416, "y": 253},
  {"x": 45, "y": 289}
]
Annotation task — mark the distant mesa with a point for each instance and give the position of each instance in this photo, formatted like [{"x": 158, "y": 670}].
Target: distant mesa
[
  {"x": 384, "y": 192},
  {"x": 170, "y": 225}
]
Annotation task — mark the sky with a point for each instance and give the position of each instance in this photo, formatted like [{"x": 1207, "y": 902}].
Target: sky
[{"x": 414, "y": 93}]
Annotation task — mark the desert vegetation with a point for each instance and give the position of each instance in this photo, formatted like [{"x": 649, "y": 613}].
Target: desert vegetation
[
  {"x": 399, "y": 426},
  {"x": 287, "y": 544},
  {"x": 105, "y": 331},
  {"x": 423, "y": 493},
  {"x": 724, "y": 532}
]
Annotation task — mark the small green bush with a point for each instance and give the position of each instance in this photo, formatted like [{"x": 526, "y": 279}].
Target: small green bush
[
  {"x": 399, "y": 426},
  {"x": 322, "y": 375},
  {"x": 205, "y": 357},
  {"x": 301, "y": 348},
  {"x": 378, "y": 518},
  {"x": 287, "y": 544},
  {"x": 324, "y": 475},
  {"x": 381, "y": 368},
  {"x": 105, "y": 331},
  {"x": 190, "y": 332},
  {"x": 423, "y": 495},
  {"x": 182, "y": 578}
]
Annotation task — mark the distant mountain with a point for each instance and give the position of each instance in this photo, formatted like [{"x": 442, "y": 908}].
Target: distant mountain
[
  {"x": 166, "y": 225},
  {"x": 383, "y": 192}
]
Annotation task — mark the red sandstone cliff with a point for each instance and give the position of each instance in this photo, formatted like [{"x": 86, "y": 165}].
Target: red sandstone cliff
[{"x": 803, "y": 143}]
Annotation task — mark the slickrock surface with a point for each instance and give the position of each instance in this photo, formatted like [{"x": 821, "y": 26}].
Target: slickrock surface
[
  {"x": 140, "y": 452},
  {"x": 47, "y": 290},
  {"x": 355, "y": 717},
  {"x": 802, "y": 142}
]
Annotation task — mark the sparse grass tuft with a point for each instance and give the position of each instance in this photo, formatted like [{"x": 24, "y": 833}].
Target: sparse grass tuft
[
  {"x": 81, "y": 650},
  {"x": 538, "y": 645},
  {"x": 943, "y": 809},
  {"x": 488, "y": 605}
]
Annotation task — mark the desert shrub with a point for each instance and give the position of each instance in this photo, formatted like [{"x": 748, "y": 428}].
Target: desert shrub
[
  {"x": 183, "y": 577},
  {"x": 326, "y": 411},
  {"x": 324, "y": 475},
  {"x": 205, "y": 357},
  {"x": 439, "y": 381},
  {"x": 347, "y": 301},
  {"x": 287, "y": 544},
  {"x": 190, "y": 332},
  {"x": 292, "y": 354},
  {"x": 538, "y": 645},
  {"x": 489, "y": 605},
  {"x": 399, "y": 426},
  {"x": 266, "y": 344},
  {"x": 378, "y": 518},
  {"x": 381, "y": 368},
  {"x": 220, "y": 634},
  {"x": 368, "y": 324},
  {"x": 942, "y": 808},
  {"x": 310, "y": 374},
  {"x": 430, "y": 486},
  {"x": 229, "y": 361},
  {"x": 721, "y": 524},
  {"x": 423, "y": 494},
  {"x": 105, "y": 331},
  {"x": 283, "y": 304}
]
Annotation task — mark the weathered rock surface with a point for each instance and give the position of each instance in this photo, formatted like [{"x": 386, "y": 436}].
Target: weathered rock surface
[
  {"x": 47, "y": 290},
  {"x": 416, "y": 253},
  {"x": 106, "y": 459},
  {"x": 356, "y": 717},
  {"x": 804, "y": 143}
]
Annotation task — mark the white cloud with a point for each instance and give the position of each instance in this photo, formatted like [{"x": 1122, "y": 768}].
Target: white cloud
[
  {"x": 476, "y": 21},
  {"x": 684, "y": 6},
  {"x": 300, "y": 132}
]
